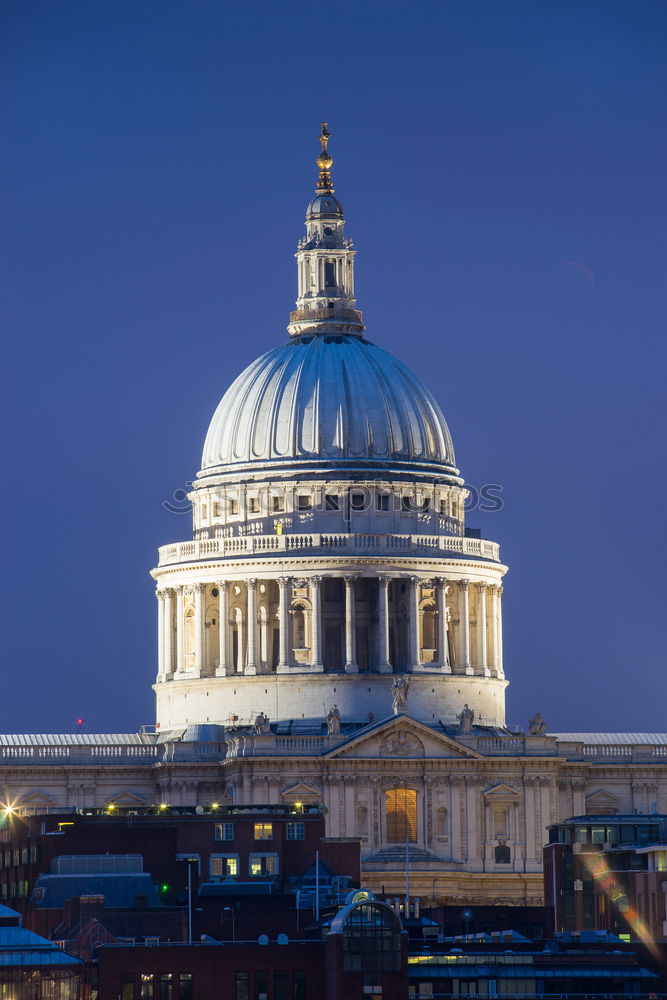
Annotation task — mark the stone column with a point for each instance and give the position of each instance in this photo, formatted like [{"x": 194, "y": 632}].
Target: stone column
[
  {"x": 383, "y": 665},
  {"x": 472, "y": 824},
  {"x": 351, "y": 666},
  {"x": 160, "y": 634},
  {"x": 532, "y": 857},
  {"x": 240, "y": 644},
  {"x": 494, "y": 628},
  {"x": 443, "y": 628},
  {"x": 545, "y": 809},
  {"x": 168, "y": 637},
  {"x": 481, "y": 626},
  {"x": 179, "y": 629},
  {"x": 578, "y": 797},
  {"x": 414, "y": 657},
  {"x": 501, "y": 672},
  {"x": 464, "y": 627},
  {"x": 316, "y": 623},
  {"x": 223, "y": 629},
  {"x": 283, "y": 616},
  {"x": 455, "y": 786},
  {"x": 199, "y": 629},
  {"x": 251, "y": 616}
]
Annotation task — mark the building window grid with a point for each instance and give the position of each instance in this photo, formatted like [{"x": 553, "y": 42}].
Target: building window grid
[
  {"x": 296, "y": 831},
  {"x": 263, "y": 865},
  {"x": 224, "y": 865},
  {"x": 263, "y": 831},
  {"x": 224, "y": 831}
]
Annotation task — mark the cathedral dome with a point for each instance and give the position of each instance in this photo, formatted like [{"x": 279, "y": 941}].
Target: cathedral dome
[{"x": 337, "y": 401}]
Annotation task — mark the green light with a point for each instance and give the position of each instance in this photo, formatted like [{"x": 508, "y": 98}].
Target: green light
[{"x": 164, "y": 887}]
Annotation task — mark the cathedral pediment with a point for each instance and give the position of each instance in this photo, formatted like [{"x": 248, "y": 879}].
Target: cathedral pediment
[
  {"x": 300, "y": 793},
  {"x": 402, "y": 737},
  {"x": 500, "y": 793},
  {"x": 36, "y": 798}
]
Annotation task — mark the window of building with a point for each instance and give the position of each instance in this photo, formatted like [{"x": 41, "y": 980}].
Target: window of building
[
  {"x": 331, "y": 502},
  {"x": 217, "y": 509},
  {"x": 401, "y": 815},
  {"x": 261, "y": 985},
  {"x": 233, "y": 506},
  {"x": 371, "y": 940},
  {"x": 253, "y": 505},
  {"x": 242, "y": 986},
  {"x": 263, "y": 864},
  {"x": 167, "y": 986},
  {"x": 192, "y": 859},
  {"x": 329, "y": 274},
  {"x": 185, "y": 986},
  {"x": 503, "y": 854},
  {"x": 145, "y": 986},
  {"x": 277, "y": 504},
  {"x": 224, "y": 831},
  {"x": 296, "y": 831},
  {"x": 204, "y": 511},
  {"x": 280, "y": 984},
  {"x": 127, "y": 986},
  {"x": 299, "y": 983},
  {"x": 358, "y": 501},
  {"x": 33, "y": 853},
  {"x": 304, "y": 501},
  {"x": 224, "y": 865},
  {"x": 597, "y": 835},
  {"x": 382, "y": 502},
  {"x": 263, "y": 831}
]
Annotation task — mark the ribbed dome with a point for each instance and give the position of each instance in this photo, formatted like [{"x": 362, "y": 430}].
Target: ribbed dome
[{"x": 332, "y": 400}]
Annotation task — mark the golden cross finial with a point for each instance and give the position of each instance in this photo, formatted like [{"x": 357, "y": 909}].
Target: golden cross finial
[
  {"x": 324, "y": 136},
  {"x": 324, "y": 162}
]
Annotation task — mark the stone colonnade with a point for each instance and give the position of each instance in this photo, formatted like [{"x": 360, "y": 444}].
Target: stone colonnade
[{"x": 440, "y": 632}]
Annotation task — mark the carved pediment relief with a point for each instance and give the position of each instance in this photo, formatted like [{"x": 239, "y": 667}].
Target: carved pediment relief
[
  {"x": 401, "y": 744},
  {"x": 402, "y": 736},
  {"x": 126, "y": 798}
]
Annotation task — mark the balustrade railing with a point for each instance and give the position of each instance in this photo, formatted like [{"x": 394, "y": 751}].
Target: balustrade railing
[{"x": 227, "y": 548}]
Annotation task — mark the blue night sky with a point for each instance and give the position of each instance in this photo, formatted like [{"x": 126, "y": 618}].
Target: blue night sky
[{"x": 502, "y": 167}]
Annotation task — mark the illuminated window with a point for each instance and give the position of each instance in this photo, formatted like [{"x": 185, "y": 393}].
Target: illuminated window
[
  {"x": 296, "y": 831},
  {"x": 167, "y": 986},
  {"x": 263, "y": 864},
  {"x": 127, "y": 987},
  {"x": 401, "y": 815},
  {"x": 263, "y": 831},
  {"x": 224, "y": 865},
  {"x": 224, "y": 831},
  {"x": 146, "y": 986}
]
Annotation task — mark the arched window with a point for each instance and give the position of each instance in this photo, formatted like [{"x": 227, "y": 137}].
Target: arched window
[
  {"x": 299, "y": 626},
  {"x": 189, "y": 637},
  {"x": 429, "y": 640},
  {"x": 371, "y": 938},
  {"x": 401, "y": 815}
]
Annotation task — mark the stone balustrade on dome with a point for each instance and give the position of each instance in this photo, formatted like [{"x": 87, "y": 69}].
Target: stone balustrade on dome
[{"x": 325, "y": 544}]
